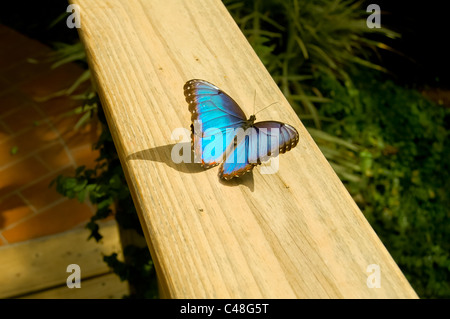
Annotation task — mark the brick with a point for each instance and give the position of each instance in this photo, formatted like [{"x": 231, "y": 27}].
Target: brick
[
  {"x": 22, "y": 118},
  {"x": 55, "y": 157},
  {"x": 24, "y": 70},
  {"x": 18, "y": 48},
  {"x": 85, "y": 155},
  {"x": 20, "y": 174},
  {"x": 10, "y": 38},
  {"x": 37, "y": 137},
  {"x": 57, "y": 108},
  {"x": 4, "y": 131},
  {"x": 40, "y": 195},
  {"x": 85, "y": 135},
  {"x": 13, "y": 209},
  {"x": 58, "y": 79},
  {"x": 64, "y": 216}
]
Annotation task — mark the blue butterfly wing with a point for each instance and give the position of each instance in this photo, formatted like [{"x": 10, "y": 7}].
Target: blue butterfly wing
[
  {"x": 237, "y": 162},
  {"x": 273, "y": 138},
  {"x": 214, "y": 115},
  {"x": 262, "y": 141}
]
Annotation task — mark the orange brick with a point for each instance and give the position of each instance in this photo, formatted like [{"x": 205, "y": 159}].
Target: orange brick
[
  {"x": 55, "y": 157},
  {"x": 85, "y": 155},
  {"x": 13, "y": 39},
  {"x": 65, "y": 124},
  {"x": 40, "y": 195},
  {"x": 59, "y": 218},
  {"x": 4, "y": 131},
  {"x": 24, "y": 70},
  {"x": 85, "y": 135},
  {"x": 31, "y": 140},
  {"x": 58, "y": 79},
  {"x": 22, "y": 118},
  {"x": 20, "y": 174},
  {"x": 10, "y": 37},
  {"x": 12, "y": 209},
  {"x": 58, "y": 106},
  {"x": 18, "y": 48}
]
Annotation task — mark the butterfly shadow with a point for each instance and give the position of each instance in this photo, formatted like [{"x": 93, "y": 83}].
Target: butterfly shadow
[
  {"x": 163, "y": 154},
  {"x": 245, "y": 180}
]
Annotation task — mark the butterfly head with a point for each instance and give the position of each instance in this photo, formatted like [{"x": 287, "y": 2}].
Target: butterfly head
[{"x": 249, "y": 123}]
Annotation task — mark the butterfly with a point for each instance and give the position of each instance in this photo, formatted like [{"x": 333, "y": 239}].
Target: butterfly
[{"x": 222, "y": 134}]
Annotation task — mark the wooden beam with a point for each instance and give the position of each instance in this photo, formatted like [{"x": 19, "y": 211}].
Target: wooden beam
[
  {"x": 41, "y": 264},
  {"x": 108, "y": 286},
  {"x": 294, "y": 234}
]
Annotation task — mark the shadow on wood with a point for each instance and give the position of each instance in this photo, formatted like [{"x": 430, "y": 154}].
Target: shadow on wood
[{"x": 163, "y": 154}]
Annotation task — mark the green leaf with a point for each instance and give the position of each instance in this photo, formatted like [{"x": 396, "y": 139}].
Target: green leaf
[
  {"x": 81, "y": 196},
  {"x": 14, "y": 150},
  {"x": 69, "y": 183}
]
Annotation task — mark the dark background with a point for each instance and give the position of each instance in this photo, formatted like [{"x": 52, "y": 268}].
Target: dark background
[
  {"x": 424, "y": 28},
  {"x": 425, "y": 40}
]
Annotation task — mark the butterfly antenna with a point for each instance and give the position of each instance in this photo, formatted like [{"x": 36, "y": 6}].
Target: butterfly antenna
[{"x": 266, "y": 107}]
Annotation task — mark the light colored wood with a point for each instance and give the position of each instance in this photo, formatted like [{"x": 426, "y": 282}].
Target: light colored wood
[
  {"x": 107, "y": 286},
  {"x": 294, "y": 234},
  {"x": 42, "y": 263}
]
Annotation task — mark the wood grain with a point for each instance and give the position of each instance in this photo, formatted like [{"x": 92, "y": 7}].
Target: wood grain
[
  {"x": 41, "y": 264},
  {"x": 293, "y": 234},
  {"x": 108, "y": 286}
]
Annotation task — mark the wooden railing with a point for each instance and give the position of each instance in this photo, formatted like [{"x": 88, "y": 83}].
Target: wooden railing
[{"x": 293, "y": 234}]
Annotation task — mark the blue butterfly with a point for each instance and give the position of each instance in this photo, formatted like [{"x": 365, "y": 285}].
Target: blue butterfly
[{"x": 221, "y": 133}]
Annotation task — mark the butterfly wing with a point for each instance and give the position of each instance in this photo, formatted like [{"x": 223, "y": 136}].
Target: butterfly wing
[
  {"x": 214, "y": 114},
  {"x": 273, "y": 138},
  {"x": 237, "y": 162},
  {"x": 261, "y": 141}
]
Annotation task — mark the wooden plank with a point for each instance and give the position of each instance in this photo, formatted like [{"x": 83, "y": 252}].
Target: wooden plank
[
  {"x": 293, "y": 234},
  {"x": 42, "y": 263},
  {"x": 106, "y": 286}
]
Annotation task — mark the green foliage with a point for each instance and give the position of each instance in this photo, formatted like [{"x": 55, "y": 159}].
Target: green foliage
[
  {"x": 14, "y": 150},
  {"x": 299, "y": 39},
  {"x": 106, "y": 188},
  {"x": 104, "y": 185},
  {"x": 405, "y": 172},
  {"x": 138, "y": 270},
  {"x": 73, "y": 53}
]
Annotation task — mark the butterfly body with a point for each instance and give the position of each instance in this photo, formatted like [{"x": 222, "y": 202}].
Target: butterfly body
[{"x": 222, "y": 134}]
